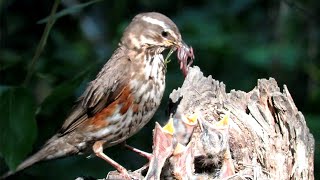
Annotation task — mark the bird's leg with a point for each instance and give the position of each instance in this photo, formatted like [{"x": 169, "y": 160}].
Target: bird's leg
[
  {"x": 98, "y": 150},
  {"x": 140, "y": 152}
]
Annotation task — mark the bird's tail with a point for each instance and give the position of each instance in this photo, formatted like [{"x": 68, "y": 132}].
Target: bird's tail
[{"x": 56, "y": 147}]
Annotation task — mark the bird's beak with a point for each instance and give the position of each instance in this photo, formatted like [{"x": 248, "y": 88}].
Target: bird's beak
[{"x": 184, "y": 53}]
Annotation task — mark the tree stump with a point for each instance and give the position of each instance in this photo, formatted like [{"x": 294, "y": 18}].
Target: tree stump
[{"x": 237, "y": 135}]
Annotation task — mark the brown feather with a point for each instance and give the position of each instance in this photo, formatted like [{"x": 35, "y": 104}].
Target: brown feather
[{"x": 97, "y": 95}]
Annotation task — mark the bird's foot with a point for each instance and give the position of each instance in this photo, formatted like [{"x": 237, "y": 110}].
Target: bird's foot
[
  {"x": 119, "y": 175},
  {"x": 98, "y": 150},
  {"x": 116, "y": 175}
]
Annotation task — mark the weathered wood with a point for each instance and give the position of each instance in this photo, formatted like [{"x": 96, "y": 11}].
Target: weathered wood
[
  {"x": 268, "y": 136},
  {"x": 264, "y": 135}
]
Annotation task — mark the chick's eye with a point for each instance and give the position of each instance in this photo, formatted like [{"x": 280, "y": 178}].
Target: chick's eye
[{"x": 164, "y": 34}]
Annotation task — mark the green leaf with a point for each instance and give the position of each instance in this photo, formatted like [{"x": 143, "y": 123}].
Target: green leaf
[
  {"x": 17, "y": 124},
  {"x": 71, "y": 10}
]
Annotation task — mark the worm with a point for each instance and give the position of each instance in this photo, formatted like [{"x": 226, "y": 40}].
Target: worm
[{"x": 184, "y": 53}]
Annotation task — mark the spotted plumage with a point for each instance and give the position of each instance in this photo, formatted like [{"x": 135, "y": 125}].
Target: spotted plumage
[{"x": 123, "y": 97}]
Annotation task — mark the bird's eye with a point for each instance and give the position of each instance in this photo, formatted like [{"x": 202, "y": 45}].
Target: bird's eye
[{"x": 164, "y": 34}]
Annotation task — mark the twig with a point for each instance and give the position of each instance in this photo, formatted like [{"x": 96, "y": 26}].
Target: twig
[{"x": 42, "y": 42}]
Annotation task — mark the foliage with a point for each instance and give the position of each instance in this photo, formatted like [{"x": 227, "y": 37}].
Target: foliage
[
  {"x": 18, "y": 127},
  {"x": 235, "y": 41}
]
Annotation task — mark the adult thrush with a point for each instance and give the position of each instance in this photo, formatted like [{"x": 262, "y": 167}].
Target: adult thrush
[{"x": 123, "y": 97}]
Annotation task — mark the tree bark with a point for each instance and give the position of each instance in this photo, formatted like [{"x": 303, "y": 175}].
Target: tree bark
[{"x": 255, "y": 135}]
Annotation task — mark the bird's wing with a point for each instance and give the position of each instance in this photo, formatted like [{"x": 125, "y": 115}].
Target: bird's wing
[{"x": 99, "y": 93}]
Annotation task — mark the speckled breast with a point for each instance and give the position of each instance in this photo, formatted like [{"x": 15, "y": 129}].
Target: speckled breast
[{"x": 142, "y": 98}]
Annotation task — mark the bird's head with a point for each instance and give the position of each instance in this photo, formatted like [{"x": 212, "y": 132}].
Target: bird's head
[
  {"x": 156, "y": 32},
  {"x": 151, "y": 30}
]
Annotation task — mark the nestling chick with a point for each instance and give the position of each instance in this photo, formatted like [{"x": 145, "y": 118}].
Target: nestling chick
[{"x": 211, "y": 146}]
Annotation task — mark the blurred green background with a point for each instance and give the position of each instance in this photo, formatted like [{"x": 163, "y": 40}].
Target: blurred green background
[{"x": 235, "y": 41}]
